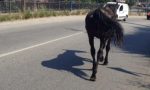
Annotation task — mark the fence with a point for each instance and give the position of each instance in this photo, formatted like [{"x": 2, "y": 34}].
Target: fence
[
  {"x": 18, "y": 6},
  {"x": 135, "y": 10}
]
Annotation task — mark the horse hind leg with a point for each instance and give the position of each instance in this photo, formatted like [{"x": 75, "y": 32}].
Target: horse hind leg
[
  {"x": 91, "y": 42},
  {"x": 95, "y": 64},
  {"x": 107, "y": 51},
  {"x": 100, "y": 56}
]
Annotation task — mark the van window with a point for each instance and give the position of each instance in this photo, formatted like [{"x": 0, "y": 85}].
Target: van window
[{"x": 121, "y": 8}]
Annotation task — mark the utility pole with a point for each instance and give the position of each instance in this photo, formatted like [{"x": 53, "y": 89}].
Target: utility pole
[
  {"x": 23, "y": 5},
  {"x": 70, "y": 5},
  {"x": 147, "y": 6},
  {"x": 9, "y": 6},
  {"x": 35, "y": 5}
]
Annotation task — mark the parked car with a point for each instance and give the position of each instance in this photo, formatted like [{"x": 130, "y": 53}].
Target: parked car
[{"x": 148, "y": 15}]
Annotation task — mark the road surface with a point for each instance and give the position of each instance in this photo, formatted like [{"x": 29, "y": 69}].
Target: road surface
[{"x": 53, "y": 54}]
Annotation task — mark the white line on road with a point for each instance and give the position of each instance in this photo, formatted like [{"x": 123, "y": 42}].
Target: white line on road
[{"x": 37, "y": 45}]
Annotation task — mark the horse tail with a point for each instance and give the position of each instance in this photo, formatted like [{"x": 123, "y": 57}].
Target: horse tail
[{"x": 118, "y": 33}]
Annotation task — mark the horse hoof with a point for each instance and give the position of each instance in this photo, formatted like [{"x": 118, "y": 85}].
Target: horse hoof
[
  {"x": 105, "y": 63},
  {"x": 93, "y": 79},
  {"x": 101, "y": 59}
]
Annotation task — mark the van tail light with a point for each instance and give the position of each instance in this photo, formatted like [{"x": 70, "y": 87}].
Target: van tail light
[{"x": 148, "y": 13}]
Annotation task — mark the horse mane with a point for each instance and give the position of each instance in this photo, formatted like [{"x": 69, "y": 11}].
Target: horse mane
[
  {"x": 108, "y": 12},
  {"x": 104, "y": 16}
]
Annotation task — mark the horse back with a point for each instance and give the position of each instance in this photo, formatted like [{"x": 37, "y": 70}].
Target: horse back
[{"x": 95, "y": 23}]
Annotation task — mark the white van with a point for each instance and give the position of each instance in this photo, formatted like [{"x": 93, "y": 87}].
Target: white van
[{"x": 122, "y": 10}]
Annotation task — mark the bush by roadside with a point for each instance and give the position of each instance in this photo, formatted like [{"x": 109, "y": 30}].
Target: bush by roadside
[{"x": 39, "y": 14}]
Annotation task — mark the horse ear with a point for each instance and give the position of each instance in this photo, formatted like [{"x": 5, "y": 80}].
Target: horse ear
[
  {"x": 116, "y": 5},
  {"x": 96, "y": 15}
]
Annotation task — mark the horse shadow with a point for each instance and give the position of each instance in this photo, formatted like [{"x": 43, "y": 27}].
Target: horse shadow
[
  {"x": 124, "y": 71},
  {"x": 138, "y": 83},
  {"x": 68, "y": 61}
]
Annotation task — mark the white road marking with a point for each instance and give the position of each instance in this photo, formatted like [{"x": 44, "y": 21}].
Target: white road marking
[{"x": 37, "y": 45}]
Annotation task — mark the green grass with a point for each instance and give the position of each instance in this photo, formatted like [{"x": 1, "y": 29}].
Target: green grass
[{"x": 39, "y": 14}]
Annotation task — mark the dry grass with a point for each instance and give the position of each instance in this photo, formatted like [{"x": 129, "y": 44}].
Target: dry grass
[{"x": 39, "y": 14}]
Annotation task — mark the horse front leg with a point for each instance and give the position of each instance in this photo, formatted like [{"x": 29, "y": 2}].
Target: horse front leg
[
  {"x": 107, "y": 51},
  {"x": 91, "y": 42}
]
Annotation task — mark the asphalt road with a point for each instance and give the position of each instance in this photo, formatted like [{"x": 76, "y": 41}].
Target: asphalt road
[{"x": 53, "y": 54}]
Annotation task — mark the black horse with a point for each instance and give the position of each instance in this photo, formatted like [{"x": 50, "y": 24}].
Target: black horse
[{"x": 101, "y": 24}]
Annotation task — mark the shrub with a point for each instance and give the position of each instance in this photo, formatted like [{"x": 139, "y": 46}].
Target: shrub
[
  {"x": 4, "y": 18},
  {"x": 27, "y": 15},
  {"x": 39, "y": 13}
]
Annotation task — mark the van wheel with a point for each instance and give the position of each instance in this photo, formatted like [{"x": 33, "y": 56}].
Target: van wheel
[
  {"x": 148, "y": 17},
  {"x": 124, "y": 19}
]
